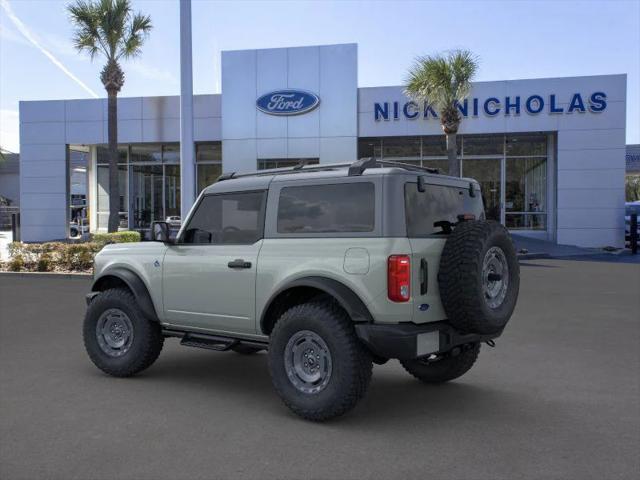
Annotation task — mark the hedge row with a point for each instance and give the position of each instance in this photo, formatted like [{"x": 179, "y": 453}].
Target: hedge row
[{"x": 60, "y": 256}]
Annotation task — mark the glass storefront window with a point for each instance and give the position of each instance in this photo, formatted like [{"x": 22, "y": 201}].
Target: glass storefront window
[
  {"x": 526, "y": 145},
  {"x": 209, "y": 152},
  {"x": 436, "y": 146},
  {"x": 267, "y": 163},
  {"x": 512, "y": 174},
  {"x": 103, "y": 195},
  {"x": 102, "y": 152},
  {"x": 171, "y": 153},
  {"x": 401, "y": 148},
  {"x": 483, "y": 145},
  {"x": 171, "y": 191},
  {"x": 207, "y": 173},
  {"x": 146, "y": 153},
  {"x": 526, "y": 193},
  {"x": 146, "y": 190},
  {"x": 487, "y": 173}
]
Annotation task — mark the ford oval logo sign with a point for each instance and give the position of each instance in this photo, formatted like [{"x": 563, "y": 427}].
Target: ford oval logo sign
[{"x": 287, "y": 102}]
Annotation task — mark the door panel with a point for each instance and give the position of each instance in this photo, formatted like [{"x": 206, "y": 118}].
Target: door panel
[{"x": 202, "y": 291}]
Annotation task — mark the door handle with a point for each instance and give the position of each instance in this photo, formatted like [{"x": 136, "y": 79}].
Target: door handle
[{"x": 239, "y": 263}]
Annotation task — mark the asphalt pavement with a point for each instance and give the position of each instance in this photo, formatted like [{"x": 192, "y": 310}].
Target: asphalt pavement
[{"x": 557, "y": 398}]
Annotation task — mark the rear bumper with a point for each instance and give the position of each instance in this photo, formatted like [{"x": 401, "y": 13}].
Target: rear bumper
[{"x": 405, "y": 341}]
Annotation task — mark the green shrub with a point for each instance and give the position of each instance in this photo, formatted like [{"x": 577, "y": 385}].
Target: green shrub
[
  {"x": 45, "y": 263},
  {"x": 16, "y": 263},
  {"x": 125, "y": 236}
]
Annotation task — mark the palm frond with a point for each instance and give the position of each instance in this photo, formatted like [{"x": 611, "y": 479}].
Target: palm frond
[{"x": 441, "y": 80}]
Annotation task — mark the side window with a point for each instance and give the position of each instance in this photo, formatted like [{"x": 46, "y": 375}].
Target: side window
[
  {"x": 234, "y": 218},
  {"x": 339, "y": 208}
]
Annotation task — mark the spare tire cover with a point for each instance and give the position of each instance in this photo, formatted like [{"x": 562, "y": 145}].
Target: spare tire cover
[{"x": 479, "y": 277}]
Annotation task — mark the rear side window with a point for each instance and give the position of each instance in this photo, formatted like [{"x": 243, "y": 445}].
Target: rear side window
[
  {"x": 339, "y": 208},
  {"x": 424, "y": 210},
  {"x": 234, "y": 218}
]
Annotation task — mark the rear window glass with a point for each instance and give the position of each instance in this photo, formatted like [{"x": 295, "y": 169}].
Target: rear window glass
[
  {"x": 346, "y": 207},
  {"x": 424, "y": 210}
]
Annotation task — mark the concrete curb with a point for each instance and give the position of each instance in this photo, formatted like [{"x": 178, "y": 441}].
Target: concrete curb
[{"x": 77, "y": 276}]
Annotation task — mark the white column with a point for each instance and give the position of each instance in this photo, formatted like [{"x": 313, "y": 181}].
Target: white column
[{"x": 187, "y": 147}]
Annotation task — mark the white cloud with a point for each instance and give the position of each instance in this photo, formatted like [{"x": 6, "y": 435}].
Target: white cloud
[
  {"x": 9, "y": 130},
  {"x": 24, "y": 30}
]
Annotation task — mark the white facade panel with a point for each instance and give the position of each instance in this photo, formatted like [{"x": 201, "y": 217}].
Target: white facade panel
[
  {"x": 271, "y": 147},
  {"x": 338, "y": 149},
  {"x": 160, "y": 107},
  {"x": 129, "y": 131},
  {"x": 592, "y": 139},
  {"x": 45, "y": 111},
  {"x": 303, "y": 147},
  {"x": 129, "y": 108},
  {"x": 39, "y": 153},
  {"x": 239, "y": 155},
  {"x": 238, "y": 101},
  {"x": 595, "y": 179},
  {"x": 587, "y": 198},
  {"x": 83, "y": 111},
  {"x": 42, "y": 133},
  {"x": 592, "y": 159},
  {"x": 161, "y": 130},
  {"x": 205, "y": 106},
  {"x": 338, "y": 91},
  {"x": 590, "y": 237},
  {"x": 41, "y": 233},
  {"x": 88, "y": 132},
  {"x": 207, "y": 129},
  {"x": 52, "y": 169},
  {"x": 605, "y": 218}
]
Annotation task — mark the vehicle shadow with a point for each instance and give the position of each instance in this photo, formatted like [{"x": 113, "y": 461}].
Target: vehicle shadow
[{"x": 394, "y": 397}]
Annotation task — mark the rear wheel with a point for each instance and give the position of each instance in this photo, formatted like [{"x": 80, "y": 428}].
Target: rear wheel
[
  {"x": 318, "y": 366},
  {"x": 445, "y": 368},
  {"x": 119, "y": 339}
]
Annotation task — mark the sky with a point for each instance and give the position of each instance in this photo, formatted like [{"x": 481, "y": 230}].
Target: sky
[{"x": 513, "y": 39}]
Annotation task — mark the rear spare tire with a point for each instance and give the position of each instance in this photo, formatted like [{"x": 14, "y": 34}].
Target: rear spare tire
[{"x": 479, "y": 277}]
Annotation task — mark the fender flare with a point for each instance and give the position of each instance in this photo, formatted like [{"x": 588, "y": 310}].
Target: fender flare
[
  {"x": 347, "y": 298},
  {"x": 135, "y": 284}
]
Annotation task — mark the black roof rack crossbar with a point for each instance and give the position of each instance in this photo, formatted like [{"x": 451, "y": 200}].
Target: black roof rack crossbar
[{"x": 226, "y": 176}]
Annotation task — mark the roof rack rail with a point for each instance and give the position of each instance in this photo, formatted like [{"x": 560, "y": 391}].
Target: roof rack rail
[
  {"x": 359, "y": 166},
  {"x": 226, "y": 176}
]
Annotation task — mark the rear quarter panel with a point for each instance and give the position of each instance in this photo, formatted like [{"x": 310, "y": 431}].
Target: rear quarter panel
[{"x": 282, "y": 261}]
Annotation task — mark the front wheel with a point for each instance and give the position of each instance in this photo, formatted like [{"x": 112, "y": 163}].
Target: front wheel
[
  {"x": 317, "y": 364},
  {"x": 119, "y": 339},
  {"x": 445, "y": 368}
]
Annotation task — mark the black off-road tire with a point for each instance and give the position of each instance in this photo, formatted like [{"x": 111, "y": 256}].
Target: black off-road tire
[
  {"x": 445, "y": 369},
  {"x": 460, "y": 277},
  {"x": 351, "y": 362},
  {"x": 146, "y": 343},
  {"x": 246, "y": 349}
]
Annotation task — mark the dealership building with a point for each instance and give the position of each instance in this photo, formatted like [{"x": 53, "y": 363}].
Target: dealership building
[{"x": 548, "y": 153}]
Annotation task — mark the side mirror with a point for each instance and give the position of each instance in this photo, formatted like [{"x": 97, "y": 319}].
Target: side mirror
[{"x": 160, "y": 232}]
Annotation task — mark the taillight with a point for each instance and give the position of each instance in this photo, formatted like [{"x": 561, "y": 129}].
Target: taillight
[{"x": 398, "y": 278}]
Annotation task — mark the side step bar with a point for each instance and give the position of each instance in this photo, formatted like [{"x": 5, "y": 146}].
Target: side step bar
[{"x": 210, "y": 342}]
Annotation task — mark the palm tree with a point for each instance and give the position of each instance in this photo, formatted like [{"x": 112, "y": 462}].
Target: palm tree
[
  {"x": 111, "y": 29},
  {"x": 443, "y": 81}
]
